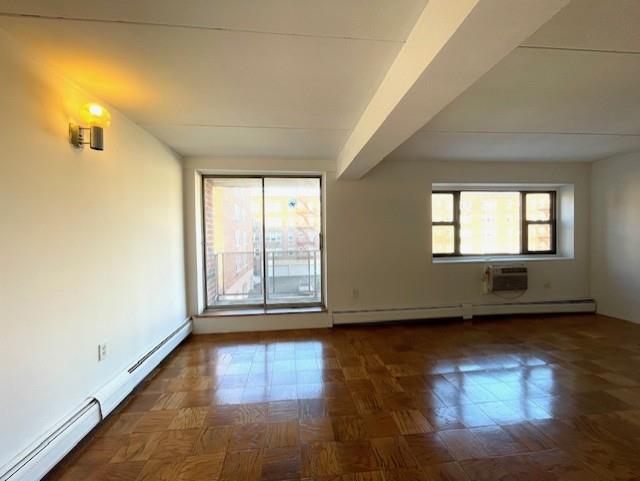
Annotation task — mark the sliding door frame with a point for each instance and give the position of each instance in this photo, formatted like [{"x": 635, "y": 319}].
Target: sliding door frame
[{"x": 263, "y": 304}]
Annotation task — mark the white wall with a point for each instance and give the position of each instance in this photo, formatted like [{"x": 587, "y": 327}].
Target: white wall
[
  {"x": 615, "y": 236},
  {"x": 91, "y": 250},
  {"x": 378, "y": 236}
]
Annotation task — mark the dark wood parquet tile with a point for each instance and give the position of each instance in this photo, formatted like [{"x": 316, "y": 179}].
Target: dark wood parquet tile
[
  {"x": 411, "y": 421},
  {"x": 242, "y": 466},
  {"x": 414, "y": 474},
  {"x": 160, "y": 470},
  {"x": 550, "y": 398},
  {"x": 142, "y": 403},
  {"x": 357, "y": 456},
  {"x": 248, "y": 436},
  {"x": 428, "y": 449},
  {"x": 282, "y": 434},
  {"x": 100, "y": 450},
  {"x": 72, "y": 472},
  {"x": 497, "y": 441},
  {"x": 530, "y": 437},
  {"x": 316, "y": 430},
  {"x": 189, "y": 418},
  {"x": 128, "y": 471},
  {"x": 122, "y": 424},
  {"x": 320, "y": 459},
  {"x": 137, "y": 447},
  {"x": 393, "y": 453},
  {"x": 281, "y": 464},
  {"x": 173, "y": 444},
  {"x": 446, "y": 472},
  {"x": 349, "y": 428},
  {"x": 515, "y": 468},
  {"x": 380, "y": 425},
  {"x": 201, "y": 468},
  {"x": 462, "y": 444},
  {"x": 563, "y": 466},
  {"x": 630, "y": 396},
  {"x": 369, "y": 476},
  {"x": 155, "y": 421},
  {"x": 213, "y": 440}
]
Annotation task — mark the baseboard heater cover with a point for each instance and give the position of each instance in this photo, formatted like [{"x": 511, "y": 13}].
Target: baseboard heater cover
[
  {"x": 546, "y": 307},
  {"x": 54, "y": 446},
  {"x": 37, "y": 460},
  {"x": 112, "y": 394},
  {"x": 463, "y": 311},
  {"x": 384, "y": 315}
]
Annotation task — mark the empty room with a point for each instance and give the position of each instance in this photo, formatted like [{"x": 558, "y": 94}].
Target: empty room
[{"x": 320, "y": 240}]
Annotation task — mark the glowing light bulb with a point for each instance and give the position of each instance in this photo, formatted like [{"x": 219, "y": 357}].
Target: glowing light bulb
[{"x": 95, "y": 115}]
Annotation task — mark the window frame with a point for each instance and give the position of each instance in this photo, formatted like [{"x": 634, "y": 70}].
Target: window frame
[
  {"x": 263, "y": 304},
  {"x": 524, "y": 223}
]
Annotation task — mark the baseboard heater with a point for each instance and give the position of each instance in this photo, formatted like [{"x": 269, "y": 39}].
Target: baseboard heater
[
  {"x": 52, "y": 447},
  {"x": 465, "y": 311},
  {"x": 39, "y": 458}
]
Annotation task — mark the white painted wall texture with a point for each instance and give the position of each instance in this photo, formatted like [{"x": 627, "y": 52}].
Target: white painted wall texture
[
  {"x": 378, "y": 232},
  {"x": 91, "y": 250},
  {"x": 615, "y": 236},
  {"x": 379, "y": 237}
]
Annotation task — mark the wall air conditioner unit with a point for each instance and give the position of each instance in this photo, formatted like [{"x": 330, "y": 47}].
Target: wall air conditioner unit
[{"x": 505, "y": 277}]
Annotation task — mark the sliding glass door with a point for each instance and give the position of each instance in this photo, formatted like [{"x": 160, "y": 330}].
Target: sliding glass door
[
  {"x": 233, "y": 247},
  {"x": 263, "y": 241},
  {"x": 292, "y": 214}
]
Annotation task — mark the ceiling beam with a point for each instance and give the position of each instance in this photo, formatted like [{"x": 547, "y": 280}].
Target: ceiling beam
[{"x": 451, "y": 46}]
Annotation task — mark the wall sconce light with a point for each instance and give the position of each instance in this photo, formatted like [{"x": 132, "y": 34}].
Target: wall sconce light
[{"x": 97, "y": 118}]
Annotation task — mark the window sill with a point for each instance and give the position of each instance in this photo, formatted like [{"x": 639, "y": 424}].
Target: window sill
[
  {"x": 489, "y": 259},
  {"x": 259, "y": 311}
]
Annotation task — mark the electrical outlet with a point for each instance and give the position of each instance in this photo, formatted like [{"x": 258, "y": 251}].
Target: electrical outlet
[
  {"x": 102, "y": 351},
  {"x": 547, "y": 285},
  {"x": 355, "y": 293}
]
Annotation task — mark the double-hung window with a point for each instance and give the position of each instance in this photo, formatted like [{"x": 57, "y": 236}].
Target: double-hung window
[{"x": 484, "y": 222}]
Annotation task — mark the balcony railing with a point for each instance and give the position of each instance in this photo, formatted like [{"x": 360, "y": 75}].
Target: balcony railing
[{"x": 292, "y": 277}]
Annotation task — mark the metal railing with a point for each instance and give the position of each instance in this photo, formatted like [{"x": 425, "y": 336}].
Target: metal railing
[{"x": 291, "y": 277}]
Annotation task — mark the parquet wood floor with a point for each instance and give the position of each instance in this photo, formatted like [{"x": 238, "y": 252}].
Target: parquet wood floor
[{"x": 549, "y": 398}]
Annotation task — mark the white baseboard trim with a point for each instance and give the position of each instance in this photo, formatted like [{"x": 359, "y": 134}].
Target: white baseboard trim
[
  {"x": 55, "y": 445},
  {"x": 40, "y": 457},
  {"x": 386, "y": 315},
  {"x": 462, "y": 311},
  {"x": 112, "y": 393},
  {"x": 262, "y": 322},
  {"x": 557, "y": 307}
]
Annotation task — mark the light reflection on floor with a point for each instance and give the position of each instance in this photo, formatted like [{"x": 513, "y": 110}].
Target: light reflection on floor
[
  {"x": 506, "y": 388},
  {"x": 548, "y": 398}
]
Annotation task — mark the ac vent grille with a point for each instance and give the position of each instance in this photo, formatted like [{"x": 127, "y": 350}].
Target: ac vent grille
[{"x": 507, "y": 278}]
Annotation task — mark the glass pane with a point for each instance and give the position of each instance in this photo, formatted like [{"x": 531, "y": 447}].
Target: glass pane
[
  {"x": 292, "y": 240},
  {"x": 441, "y": 207},
  {"x": 490, "y": 223},
  {"x": 443, "y": 239},
  {"x": 538, "y": 206},
  {"x": 233, "y": 230},
  {"x": 539, "y": 237}
]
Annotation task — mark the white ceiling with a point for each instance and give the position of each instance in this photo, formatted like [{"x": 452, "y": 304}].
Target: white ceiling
[
  {"x": 290, "y": 78},
  {"x": 569, "y": 93},
  {"x": 284, "y": 78},
  {"x": 593, "y": 24},
  {"x": 366, "y": 19}
]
